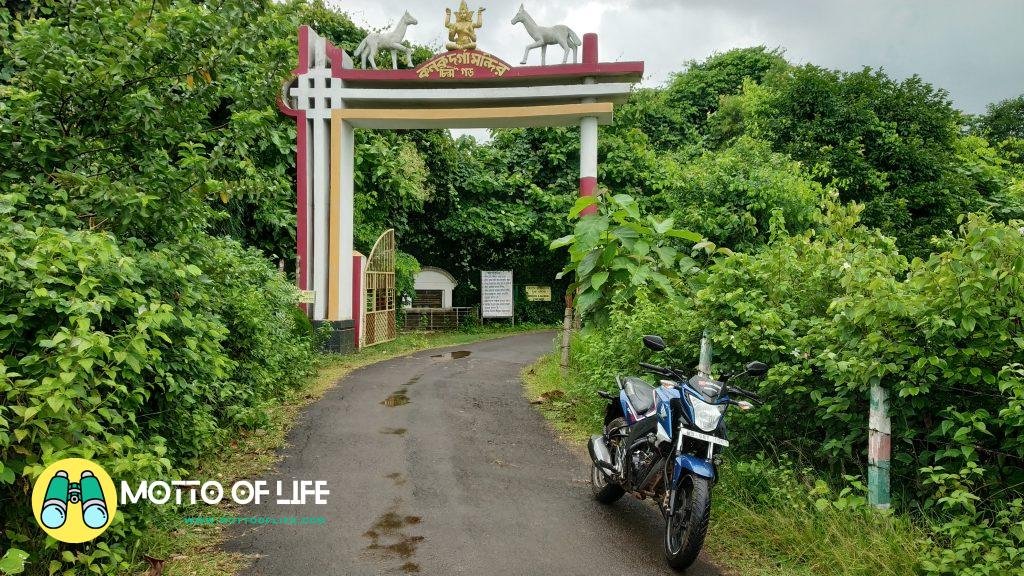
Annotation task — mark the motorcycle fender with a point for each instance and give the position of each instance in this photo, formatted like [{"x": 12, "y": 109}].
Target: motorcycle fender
[{"x": 688, "y": 463}]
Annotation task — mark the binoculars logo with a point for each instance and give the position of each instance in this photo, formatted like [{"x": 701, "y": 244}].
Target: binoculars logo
[{"x": 74, "y": 500}]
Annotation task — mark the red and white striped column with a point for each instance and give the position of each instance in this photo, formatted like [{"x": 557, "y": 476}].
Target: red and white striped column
[{"x": 588, "y": 133}]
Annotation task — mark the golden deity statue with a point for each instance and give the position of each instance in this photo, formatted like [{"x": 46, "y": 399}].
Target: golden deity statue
[{"x": 462, "y": 33}]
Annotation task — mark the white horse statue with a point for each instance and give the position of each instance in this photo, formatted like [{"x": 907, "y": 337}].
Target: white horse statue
[
  {"x": 391, "y": 41},
  {"x": 547, "y": 35}
]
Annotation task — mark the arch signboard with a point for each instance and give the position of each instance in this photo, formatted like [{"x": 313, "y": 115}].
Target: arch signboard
[{"x": 462, "y": 88}]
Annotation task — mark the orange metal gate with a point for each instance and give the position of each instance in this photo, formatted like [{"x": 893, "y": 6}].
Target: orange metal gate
[{"x": 379, "y": 284}]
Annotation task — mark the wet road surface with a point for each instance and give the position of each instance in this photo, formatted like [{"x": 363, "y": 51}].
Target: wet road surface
[{"x": 437, "y": 464}]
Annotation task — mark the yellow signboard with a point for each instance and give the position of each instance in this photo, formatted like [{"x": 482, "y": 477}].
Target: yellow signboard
[
  {"x": 307, "y": 296},
  {"x": 538, "y": 293}
]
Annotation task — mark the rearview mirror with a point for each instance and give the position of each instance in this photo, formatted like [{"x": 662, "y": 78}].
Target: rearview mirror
[
  {"x": 756, "y": 368},
  {"x": 655, "y": 343}
]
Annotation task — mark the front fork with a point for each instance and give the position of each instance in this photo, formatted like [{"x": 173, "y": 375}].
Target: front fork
[
  {"x": 683, "y": 464},
  {"x": 673, "y": 480}
]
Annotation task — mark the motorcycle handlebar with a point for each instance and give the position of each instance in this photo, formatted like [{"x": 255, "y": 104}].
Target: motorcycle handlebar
[
  {"x": 746, "y": 393},
  {"x": 655, "y": 369}
]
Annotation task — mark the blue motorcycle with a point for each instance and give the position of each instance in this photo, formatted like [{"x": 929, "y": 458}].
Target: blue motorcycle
[{"x": 663, "y": 443}]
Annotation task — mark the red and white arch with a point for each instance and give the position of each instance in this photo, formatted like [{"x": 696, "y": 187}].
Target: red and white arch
[{"x": 329, "y": 99}]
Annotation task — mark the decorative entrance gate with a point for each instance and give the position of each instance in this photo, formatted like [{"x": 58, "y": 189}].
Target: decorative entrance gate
[
  {"x": 461, "y": 88},
  {"x": 380, "y": 291}
]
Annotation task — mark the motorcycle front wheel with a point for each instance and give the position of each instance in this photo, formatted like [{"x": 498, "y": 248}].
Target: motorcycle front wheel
[{"x": 687, "y": 526}]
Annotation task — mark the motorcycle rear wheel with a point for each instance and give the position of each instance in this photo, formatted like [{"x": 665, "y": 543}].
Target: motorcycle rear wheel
[
  {"x": 605, "y": 491},
  {"x": 688, "y": 525}
]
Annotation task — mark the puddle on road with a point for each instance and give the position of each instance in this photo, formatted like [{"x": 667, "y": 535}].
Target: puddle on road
[
  {"x": 452, "y": 355},
  {"x": 397, "y": 478},
  {"x": 386, "y": 537},
  {"x": 393, "y": 431},
  {"x": 389, "y": 523},
  {"x": 414, "y": 380},
  {"x": 410, "y": 567},
  {"x": 397, "y": 398}
]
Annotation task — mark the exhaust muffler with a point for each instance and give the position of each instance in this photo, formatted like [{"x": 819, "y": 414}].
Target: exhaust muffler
[{"x": 600, "y": 455}]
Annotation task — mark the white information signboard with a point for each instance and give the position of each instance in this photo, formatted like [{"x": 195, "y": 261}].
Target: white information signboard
[{"x": 495, "y": 293}]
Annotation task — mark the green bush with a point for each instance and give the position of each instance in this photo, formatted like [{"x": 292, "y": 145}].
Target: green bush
[
  {"x": 741, "y": 196},
  {"x": 139, "y": 359},
  {"x": 836, "y": 311},
  {"x": 615, "y": 251}
]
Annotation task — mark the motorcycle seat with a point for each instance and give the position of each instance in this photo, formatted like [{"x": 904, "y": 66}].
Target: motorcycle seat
[{"x": 640, "y": 394}]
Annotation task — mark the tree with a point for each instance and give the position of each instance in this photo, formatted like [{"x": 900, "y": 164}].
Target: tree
[
  {"x": 743, "y": 195},
  {"x": 1003, "y": 120},
  {"x": 885, "y": 143},
  {"x": 695, "y": 93}
]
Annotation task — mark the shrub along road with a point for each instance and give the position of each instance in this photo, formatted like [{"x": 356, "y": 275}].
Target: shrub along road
[{"x": 439, "y": 465}]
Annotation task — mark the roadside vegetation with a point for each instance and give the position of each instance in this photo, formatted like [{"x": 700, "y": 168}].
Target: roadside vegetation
[
  {"x": 832, "y": 310},
  {"x": 848, "y": 229},
  {"x": 769, "y": 517},
  {"x": 845, "y": 227}
]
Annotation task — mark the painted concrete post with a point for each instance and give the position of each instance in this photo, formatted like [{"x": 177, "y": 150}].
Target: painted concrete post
[
  {"x": 588, "y": 133},
  {"x": 704, "y": 364},
  {"x": 879, "y": 448},
  {"x": 588, "y": 161},
  {"x": 566, "y": 332}
]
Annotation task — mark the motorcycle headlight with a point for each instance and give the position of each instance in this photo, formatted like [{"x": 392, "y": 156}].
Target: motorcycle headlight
[{"x": 706, "y": 416}]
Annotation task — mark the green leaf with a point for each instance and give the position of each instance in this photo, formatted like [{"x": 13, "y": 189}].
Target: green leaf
[
  {"x": 663, "y": 226},
  {"x": 598, "y": 279},
  {"x": 684, "y": 234},
  {"x": 581, "y": 204},
  {"x": 13, "y": 561},
  {"x": 625, "y": 234},
  {"x": 563, "y": 241},
  {"x": 667, "y": 255},
  {"x": 31, "y": 411},
  {"x": 706, "y": 245},
  {"x": 586, "y": 299},
  {"x": 587, "y": 264},
  {"x": 628, "y": 204},
  {"x": 55, "y": 402},
  {"x": 588, "y": 233}
]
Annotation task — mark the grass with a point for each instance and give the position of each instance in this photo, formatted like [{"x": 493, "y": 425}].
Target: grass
[
  {"x": 766, "y": 522},
  {"x": 768, "y": 519},
  {"x": 543, "y": 381},
  {"x": 196, "y": 550}
]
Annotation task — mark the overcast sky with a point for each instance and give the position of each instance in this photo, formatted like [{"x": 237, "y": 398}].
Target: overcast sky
[{"x": 972, "y": 48}]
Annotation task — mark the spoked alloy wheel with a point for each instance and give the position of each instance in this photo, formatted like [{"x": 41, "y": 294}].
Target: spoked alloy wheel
[{"x": 686, "y": 528}]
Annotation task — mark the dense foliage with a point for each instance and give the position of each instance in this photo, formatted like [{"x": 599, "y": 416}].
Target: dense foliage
[
  {"x": 131, "y": 332},
  {"x": 866, "y": 232}
]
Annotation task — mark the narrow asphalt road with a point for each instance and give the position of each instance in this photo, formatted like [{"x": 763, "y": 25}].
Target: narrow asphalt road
[{"x": 437, "y": 464}]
